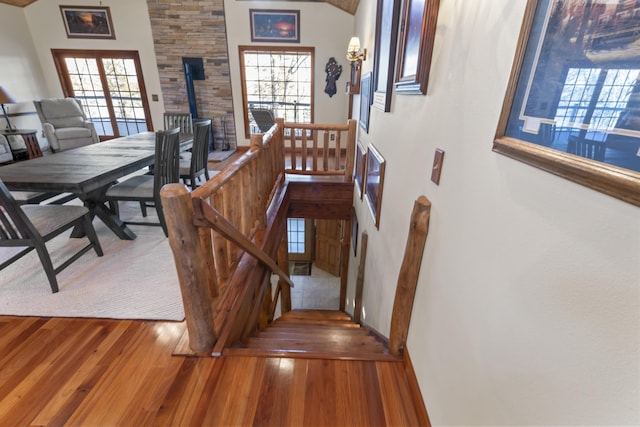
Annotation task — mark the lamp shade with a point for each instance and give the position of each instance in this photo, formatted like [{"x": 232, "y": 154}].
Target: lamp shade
[
  {"x": 5, "y": 98},
  {"x": 354, "y": 45}
]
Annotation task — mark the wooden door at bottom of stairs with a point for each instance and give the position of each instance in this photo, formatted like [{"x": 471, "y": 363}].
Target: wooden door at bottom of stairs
[{"x": 329, "y": 234}]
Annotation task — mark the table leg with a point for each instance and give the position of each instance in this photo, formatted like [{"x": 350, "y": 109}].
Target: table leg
[{"x": 95, "y": 202}]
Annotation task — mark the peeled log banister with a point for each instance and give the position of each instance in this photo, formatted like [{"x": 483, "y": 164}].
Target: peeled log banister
[
  {"x": 328, "y": 159},
  {"x": 206, "y": 216},
  {"x": 226, "y": 234},
  {"x": 408, "y": 277}
]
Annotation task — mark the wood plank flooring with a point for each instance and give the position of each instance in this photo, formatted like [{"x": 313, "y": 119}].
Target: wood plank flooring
[{"x": 88, "y": 372}]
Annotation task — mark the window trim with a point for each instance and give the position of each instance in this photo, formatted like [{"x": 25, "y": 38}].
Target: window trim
[{"x": 245, "y": 101}]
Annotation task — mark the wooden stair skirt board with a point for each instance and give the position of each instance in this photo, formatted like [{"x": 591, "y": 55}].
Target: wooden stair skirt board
[{"x": 316, "y": 334}]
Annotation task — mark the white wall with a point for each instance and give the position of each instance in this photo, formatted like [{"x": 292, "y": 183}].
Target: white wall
[
  {"x": 322, "y": 26},
  {"x": 527, "y": 310},
  {"x": 20, "y": 73},
  {"x": 131, "y": 26}
]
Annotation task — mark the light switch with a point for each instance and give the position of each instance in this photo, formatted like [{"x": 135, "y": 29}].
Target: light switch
[{"x": 436, "y": 170}]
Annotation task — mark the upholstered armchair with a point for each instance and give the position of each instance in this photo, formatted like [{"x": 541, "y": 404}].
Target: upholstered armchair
[
  {"x": 64, "y": 123},
  {"x": 5, "y": 150}
]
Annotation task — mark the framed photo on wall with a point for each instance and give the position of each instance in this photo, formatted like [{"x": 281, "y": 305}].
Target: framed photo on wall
[
  {"x": 360, "y": 167},
  {"x": 375, "y": 183},
  {"x": 87, "y": 22},
  {"x": 281, "y": 26},
  {"x": 365, "y": 101},
  {"x": 417, "y": 36},
  {"x": 572, "y": 105},
  {"x": 387, "y": 16}
]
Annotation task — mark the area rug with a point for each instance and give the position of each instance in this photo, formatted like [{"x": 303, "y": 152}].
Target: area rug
[{"x": 135, "y": 279}]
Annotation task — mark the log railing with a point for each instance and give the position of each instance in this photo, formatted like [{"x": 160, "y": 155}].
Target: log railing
[
  {"x": 226, "y": 234},
  {"x": 319, "y": 149}
]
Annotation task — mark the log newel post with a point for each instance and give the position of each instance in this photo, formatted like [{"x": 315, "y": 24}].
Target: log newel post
[
  {"x": 191, "y": 265},
  {"x": 408, "y": 276}
]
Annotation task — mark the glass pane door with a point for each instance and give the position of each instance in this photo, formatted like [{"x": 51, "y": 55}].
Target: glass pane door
[{"x": 110, "y": 88}]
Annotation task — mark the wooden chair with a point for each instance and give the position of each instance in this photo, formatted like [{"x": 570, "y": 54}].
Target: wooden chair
[
  {"x": 29, "y": 227},
  {"x": 588, "y": 148},
  {"x": 146, "y": 188},
  {"x": 179, "y": 120},
  {"x": 196, "y": 165}
]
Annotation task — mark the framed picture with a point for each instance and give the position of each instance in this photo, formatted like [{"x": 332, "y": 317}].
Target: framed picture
[
  {"x": 387, "y": 17},
  {"x": 375, "y": 182},
  {"x": 354, "y": 231},
  {"x": 275, "y": 25},
  {"x": 87, "y": 22},
  {"x": 572, "y": 106},
  {"x": 353, "y": 85},
  {"x": 361, "y": 162},
  {"x": 365, "y": 101},
  {"x": 418, "y": 30}
]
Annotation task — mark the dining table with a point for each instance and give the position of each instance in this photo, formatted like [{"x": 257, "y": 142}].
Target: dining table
[{"x": 88, "y": 172}]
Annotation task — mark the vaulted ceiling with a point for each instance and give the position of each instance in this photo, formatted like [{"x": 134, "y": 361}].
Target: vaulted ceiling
[{"x": 350, "y": 6}]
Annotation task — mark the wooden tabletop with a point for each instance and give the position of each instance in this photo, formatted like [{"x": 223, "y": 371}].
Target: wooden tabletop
[
  {"x": 84, "y": 169},
  {"x": 87, "y": 172}
]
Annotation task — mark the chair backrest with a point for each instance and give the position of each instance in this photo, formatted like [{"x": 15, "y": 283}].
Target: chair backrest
[
  {"x": 60, "y": 112},
  {"x": 586, "y": 148},
  {"x": 14, "y": 224},
  {"x": 263, "y": 118},
  {"x": 166, "y": 167},
  {"x": 179, "y": 120},
  {"x": 200, "y": 149}
]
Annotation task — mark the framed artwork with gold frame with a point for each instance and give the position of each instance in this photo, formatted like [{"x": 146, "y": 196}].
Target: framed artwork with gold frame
[{"x": 572, "y": 105}]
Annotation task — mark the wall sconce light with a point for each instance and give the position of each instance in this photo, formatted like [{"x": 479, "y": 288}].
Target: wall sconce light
[
  {"x": 6, "y": 99},
  {"x": 353, "y": 51}
]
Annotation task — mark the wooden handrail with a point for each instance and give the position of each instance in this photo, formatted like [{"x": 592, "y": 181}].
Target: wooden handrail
[
  {"x": 241, "y": 212},
  {"x": 206, "y": 216},
  {"x": 408, "y": 276}
]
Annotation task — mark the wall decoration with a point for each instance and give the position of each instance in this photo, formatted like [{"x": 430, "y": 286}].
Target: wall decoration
[
  {"x": 333, "y": 70},
  {"x": 374, "y": 182},
  {"x": 269, "y": 25},
  {"x": 387, "y": 16},
  {"x": 572, "y": 105},
  {"x": 359, "y": 170},
  {"x": 418, "y": 31},
  {"x": 87, "y": 22},
  {"x": 365, "y": 101},
  {"x": 353, "y": 85},
  {"x": 354, "y": 231}
]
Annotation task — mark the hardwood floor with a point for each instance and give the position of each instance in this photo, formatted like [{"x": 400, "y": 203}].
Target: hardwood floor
[{"x": 91, "y": 372}]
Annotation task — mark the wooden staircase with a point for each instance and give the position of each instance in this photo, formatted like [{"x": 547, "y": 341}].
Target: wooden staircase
[{"x": 325, "y": 334}]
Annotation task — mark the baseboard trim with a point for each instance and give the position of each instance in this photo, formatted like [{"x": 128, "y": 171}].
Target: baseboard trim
[{"x": 414, "y": 388}]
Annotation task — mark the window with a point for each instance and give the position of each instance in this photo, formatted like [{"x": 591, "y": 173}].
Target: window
[
  {"x": 611, "y": 90},
  {"x": 279, "y": 79},
  {"x": 110, "y": 88}
]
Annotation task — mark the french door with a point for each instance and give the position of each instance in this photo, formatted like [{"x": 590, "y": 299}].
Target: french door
[{"x": 110, "y": 87}]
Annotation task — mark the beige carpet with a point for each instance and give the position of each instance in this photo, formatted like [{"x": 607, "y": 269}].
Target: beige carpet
[{"x": 133, "y": 280}]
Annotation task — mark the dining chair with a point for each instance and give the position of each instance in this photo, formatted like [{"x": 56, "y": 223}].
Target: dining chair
[
  {"x": 146, "y": 188},
  {"x": 28, "y": 227},
  {"x": 197, "y": 164}
]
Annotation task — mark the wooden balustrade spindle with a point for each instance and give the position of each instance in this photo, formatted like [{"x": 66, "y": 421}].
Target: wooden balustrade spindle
[{"x": 325, "y": 152}]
